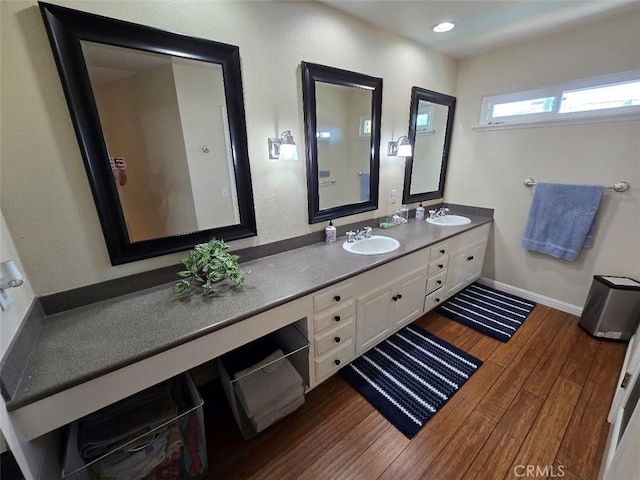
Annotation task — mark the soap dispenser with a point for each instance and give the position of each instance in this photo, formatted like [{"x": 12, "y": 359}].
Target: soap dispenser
[
  {"x": 403, "y": 212},
  {"x": 420, "y": 212},
  {"x": 330, "y": 233}
]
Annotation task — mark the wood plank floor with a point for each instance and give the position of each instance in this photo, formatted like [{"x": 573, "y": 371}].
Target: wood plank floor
[{"x": 541, "y": 399}]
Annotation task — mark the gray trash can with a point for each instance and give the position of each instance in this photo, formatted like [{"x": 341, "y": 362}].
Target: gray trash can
[{"x": 612, "y": 308}]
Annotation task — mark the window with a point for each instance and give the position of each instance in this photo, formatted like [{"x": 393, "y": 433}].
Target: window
[
  {"x": 599, "y": 98},
  {"x": 424, "y": 120},
  {"x": 592, "y": 99},
  {"x": 523, "y": 107}
]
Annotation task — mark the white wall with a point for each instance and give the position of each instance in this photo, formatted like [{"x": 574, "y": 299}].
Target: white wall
[
  {"x": 47, "y": 200},
  {"x": 23, "y": 296},
  {"x": 487, "y": 168},
  {"x": 31, "y": 456},
  {"x": 11, "y": 319}
]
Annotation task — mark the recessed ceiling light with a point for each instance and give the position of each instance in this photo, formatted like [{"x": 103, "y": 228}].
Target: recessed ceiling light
[{"x": 444, "y": 27}]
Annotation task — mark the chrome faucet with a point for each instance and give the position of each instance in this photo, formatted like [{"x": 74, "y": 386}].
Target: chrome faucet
[
  {"x": 441, "y": 212},
  {"x": 364, "y": 233}
]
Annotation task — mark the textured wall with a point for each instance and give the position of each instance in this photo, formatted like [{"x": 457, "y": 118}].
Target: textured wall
[
  {"x": 487, "y": 168},
  {"x": 44, "y": 192},
  {"x": 10, "y": 321}
]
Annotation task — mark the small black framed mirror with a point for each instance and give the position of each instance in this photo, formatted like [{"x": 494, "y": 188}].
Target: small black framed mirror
[
  {"x": 342, "y": 112},
  {"x": 430, "y": 124},
  {"x": 160, "y": 122}
]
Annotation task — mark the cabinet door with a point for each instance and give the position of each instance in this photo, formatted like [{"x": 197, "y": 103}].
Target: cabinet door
[
  {"x": 465, "y": 266},
  {"x": 374, "y": 313},
  {"x": 474, "y": 260},
  {"x": 456, "y": 273},
  {"x": 409, "y": 298}
]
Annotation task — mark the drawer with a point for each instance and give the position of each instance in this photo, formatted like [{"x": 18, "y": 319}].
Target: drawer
[
  {"x": 335, "y": 337},
  {"x": 439, "y": 250},
  {"x": 438, "y": 265},
  {"x": 436, "y": 281},
  {"x": 433, "y": 299},
  {"x": 334, "y": 296},
  {"x": 334, "y": 316},
  {"x": 335, "y": 359}
]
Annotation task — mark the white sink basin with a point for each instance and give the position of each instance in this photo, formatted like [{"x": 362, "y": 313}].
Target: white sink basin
[
  {"x": 374, "y": 245},
  {"x": 449, "y": 220}
]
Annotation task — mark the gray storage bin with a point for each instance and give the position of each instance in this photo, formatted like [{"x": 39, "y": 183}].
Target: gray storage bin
[
  {"x": 292, "y": 340},
  {"x": 612, "y": 308},
  {"x": 187, "y": 438}
]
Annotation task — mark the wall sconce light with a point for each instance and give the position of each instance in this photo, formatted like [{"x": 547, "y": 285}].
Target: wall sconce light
[
  {"x": 283, "y": 148},
  {"x": 10, "y": 277},
  {"x": 400, "y": 148}
]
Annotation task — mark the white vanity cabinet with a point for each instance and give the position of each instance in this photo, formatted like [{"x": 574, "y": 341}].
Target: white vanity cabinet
[
  {"x": 436, "y": 275},
  {"x": 340, "y": 321},
  {"x": 466, "y": 259},
  {"x": 389, "y": 297},
  {"x": 388, "y": 308},
  {"x": 333, "y": 330},
  {"x": 393, "y": 295}
]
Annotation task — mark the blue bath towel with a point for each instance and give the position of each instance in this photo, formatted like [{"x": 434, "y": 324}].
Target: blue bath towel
[
  {"x": 364, "y": 187},
  {"x": 561, "y": 219}
]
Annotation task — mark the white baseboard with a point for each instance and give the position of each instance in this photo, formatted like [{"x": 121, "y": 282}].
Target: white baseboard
[{"x": 534, "y": 297}]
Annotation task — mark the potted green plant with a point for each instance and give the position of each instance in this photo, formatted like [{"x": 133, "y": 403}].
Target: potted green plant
[{"x": 207, "y": 264}]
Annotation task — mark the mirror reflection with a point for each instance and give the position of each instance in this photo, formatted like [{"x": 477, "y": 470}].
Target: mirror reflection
[
  {"x": 430, "y": 125},
  {"x": 166, "y": 131},
  {"x": 342, "y": 112},
  {"x": 160, "y": 123},
  {"x": 344, "y": 138}
]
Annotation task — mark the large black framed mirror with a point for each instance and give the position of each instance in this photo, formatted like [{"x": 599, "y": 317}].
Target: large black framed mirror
[
  {"x": 430, "y": 125},
  {"x": 342, "y": 112},
  {"x": 160, "y": 122}
]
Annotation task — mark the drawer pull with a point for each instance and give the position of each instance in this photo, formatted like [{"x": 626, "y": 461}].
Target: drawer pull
[
  {"x": 440, "y": 265},
  {"x": 439, "y": 282},
  {"x": 437, "y": 300},
  {"x": 337, "y": 298},
  {"x": 399, "y": 296},
  {"x": 443, "y": 251},
  {"x": 337, "y": 318},
  {"x": 470, "y": 257},
  {"x": 337, "y": 339},
  {"x": 337, "y": 362},
  {"x": 394, "y": 298}
]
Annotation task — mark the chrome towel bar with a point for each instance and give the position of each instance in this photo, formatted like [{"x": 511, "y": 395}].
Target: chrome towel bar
[{"x": 618, "y": 186}]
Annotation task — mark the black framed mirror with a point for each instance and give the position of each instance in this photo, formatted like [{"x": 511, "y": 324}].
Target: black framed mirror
[
  {"x": 342, "y": 112},
  {"x": 430, "y": 125},
  {"x": 160, "y": 122}
]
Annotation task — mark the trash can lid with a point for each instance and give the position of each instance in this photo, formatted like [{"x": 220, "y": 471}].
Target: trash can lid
[{"x": 620, "y": 283}]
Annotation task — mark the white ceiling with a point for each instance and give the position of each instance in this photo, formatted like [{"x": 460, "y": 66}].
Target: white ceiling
[{"x": 480, "y": 25}]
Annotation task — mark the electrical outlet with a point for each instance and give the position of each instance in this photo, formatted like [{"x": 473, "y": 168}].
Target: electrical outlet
[{"x": 394, "y": 194}]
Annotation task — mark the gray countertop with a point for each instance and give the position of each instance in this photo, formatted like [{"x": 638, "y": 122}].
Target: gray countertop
[{"x": 84, "y": 343}]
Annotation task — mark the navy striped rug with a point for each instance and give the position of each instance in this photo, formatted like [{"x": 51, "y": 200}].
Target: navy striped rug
[
  {"x": 494, "y": 313},
  {"x": 410, "y": 376}
]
